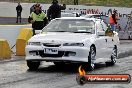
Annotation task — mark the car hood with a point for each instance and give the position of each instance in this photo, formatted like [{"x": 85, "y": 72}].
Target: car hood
[{"x": 62, "y": 37}]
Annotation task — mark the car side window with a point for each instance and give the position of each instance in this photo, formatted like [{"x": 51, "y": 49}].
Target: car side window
[
  {"x": 100, "y": 26},
  {"x": 104, "y": 25}
]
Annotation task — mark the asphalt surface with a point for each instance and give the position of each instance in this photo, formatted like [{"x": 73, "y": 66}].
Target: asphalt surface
[
  {"x": 125, "y": 48},
  {"x": 12, "y": 20},
  {"x": 15, "y": 74}
]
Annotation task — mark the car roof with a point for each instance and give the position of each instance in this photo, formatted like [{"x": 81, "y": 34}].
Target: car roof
[
  {"x": 92, "y": 14},
  {"x": 66, "y": 13},
  {"x": 83, "y": 18},
  {"x": 87, "y": 15},
  {"x": 69, "y": 13}
]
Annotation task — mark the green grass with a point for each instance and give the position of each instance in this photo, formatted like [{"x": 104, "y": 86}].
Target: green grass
[{"x": 117, "y": 3}]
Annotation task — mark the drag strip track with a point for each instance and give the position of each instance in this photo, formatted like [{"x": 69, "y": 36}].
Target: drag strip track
[{"x": 16, "y": 75}]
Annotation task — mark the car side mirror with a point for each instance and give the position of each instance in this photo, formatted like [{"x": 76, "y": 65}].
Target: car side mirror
[{"x": 101, "y": 33}]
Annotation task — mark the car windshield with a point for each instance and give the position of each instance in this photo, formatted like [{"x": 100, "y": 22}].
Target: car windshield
[{"x": 70, "y": 25}]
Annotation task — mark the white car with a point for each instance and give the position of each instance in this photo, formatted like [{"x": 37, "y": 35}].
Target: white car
[{"x": 71, "y": 39}]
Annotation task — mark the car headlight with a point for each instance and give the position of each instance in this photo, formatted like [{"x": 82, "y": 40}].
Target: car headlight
[
  {"x": 34, "y": 43},
  {"x": 73, "y": 44}
]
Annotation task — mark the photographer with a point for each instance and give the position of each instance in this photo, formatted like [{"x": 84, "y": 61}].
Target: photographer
[{"x": 54, "y": 10}]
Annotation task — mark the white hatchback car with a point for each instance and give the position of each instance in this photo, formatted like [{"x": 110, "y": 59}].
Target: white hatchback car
[{"x": 71, "y": 39}]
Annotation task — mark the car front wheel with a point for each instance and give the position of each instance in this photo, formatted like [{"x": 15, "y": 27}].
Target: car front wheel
[
  {"x": 33, "y": 65},
  {"x": 91, "y": 58}
]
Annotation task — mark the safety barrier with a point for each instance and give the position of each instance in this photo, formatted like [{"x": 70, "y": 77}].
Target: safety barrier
[
  {"x": 5, "y": 51},
  {"x": 24, "y": 35},
  {"x": 11, "y": 32}
]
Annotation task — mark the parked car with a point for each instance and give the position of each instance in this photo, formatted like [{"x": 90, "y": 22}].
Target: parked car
[{"x": 72, "y": 39}]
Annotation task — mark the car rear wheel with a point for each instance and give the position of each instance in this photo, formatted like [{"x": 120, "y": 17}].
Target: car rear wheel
[
  {"x": 91, "y": 58},
  {"x": 33, "y": 65},
  {"x": 113, "y": 56}
]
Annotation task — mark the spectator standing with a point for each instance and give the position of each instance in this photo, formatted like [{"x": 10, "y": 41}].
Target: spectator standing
[
  {"x": 54, "y": 10},
  {"x": 38, "y": 19},
  {"x": 113, "y": 20},
  {"x": 19, "y": 11}
]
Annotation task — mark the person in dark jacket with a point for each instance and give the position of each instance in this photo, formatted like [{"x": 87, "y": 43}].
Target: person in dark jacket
[
  {"x": 19, "y": 11},
  {"x": 32, "y": 9},
  {"x": 38, "y": 19},
  {"x": 54, "y": 10}
]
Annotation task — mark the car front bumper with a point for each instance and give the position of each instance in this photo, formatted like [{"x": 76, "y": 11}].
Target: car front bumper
[{"x": 69, "y": 53}]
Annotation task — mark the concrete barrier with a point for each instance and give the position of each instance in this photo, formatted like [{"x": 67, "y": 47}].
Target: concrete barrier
[
  {"x": 11, "y": 32},
  {"x": 24, "y": 35},
  {"x": 5, "y": 51}
]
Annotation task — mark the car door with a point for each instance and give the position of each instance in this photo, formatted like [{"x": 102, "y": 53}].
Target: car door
[
  {"x": 103, "y": 42},
  {"x": 109, "y": 39}
]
